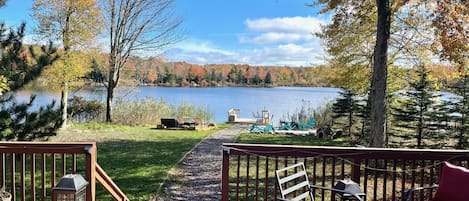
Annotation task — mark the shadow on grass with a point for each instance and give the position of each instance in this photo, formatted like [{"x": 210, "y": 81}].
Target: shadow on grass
[{"x": 139, "y": 167}]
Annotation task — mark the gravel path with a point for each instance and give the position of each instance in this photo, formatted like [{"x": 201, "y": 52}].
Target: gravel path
[{"x": 199, "y": 174}]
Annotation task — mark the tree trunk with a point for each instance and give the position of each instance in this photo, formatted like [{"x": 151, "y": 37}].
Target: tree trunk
[
  {"x": 350, "y": 122},
  {"x": 64, "y": 105},
  {"x": 110, "y": 96},
  {"x": 378, "y": 84}
]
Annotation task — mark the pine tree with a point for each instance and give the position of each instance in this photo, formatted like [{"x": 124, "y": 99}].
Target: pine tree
[
  {"x": 363, "y": 112},
  {"x": 18, "y": 121},
  {"x": 268, "y": 78},
  {"x": 346, "y": 106},
  {"x": 458, "y": 110},
  {"x": 416, "y": 110}
]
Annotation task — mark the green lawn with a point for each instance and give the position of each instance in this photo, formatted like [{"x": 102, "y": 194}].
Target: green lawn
[
  {"x": 138, "y": 159},
  {"x": 289, "y": 140}
]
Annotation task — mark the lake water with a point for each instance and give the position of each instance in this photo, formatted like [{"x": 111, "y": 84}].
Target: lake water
[{"x": 280, "y": 101}]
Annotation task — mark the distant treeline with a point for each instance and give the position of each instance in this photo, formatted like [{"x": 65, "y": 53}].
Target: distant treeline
[
  {"x": 154, "y": 71},
  {"x": 157, "y": 72}
]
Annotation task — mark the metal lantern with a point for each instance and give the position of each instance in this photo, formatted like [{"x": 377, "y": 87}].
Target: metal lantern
[
  {"x": 352, "y": 188},
  {"x": 71, "y": 187}
]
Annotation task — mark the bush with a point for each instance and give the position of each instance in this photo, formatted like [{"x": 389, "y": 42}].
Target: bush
[{"x": 81, "y": 110}]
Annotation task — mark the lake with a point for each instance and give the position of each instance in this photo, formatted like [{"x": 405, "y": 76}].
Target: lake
[{"x": 280, "y": 101}]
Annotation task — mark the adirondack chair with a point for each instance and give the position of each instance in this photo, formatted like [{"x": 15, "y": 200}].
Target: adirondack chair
[
  {"x": 294, "y": 185},
  {"x": 453, "y": 185}
]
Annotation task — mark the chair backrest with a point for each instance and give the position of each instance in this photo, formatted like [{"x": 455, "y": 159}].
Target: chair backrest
[{"x": 293, "y": 183}]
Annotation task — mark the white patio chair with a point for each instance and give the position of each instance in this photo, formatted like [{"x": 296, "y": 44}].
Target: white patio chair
[{"x": 294, "y": 185}]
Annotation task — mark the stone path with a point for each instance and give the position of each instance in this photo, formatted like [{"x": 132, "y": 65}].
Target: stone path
[{"x": 199, "y": 174}]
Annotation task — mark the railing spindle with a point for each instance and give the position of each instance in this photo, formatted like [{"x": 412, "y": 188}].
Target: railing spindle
[
  {"x": 12, "y": 176},
  {"x": 257, "y": 178},
  {"x": 323, "y": 176},
  {"x": 2, "y": 171},
  {"x": 342, "y": 170},
  {"x": 74, "y": 163},
  {"x": 385, "y": 178},
  {"x": 276, "y": 182},
  {"x": 404, "y": 177},
  {"x": 266, "y": 192},
  {"x": 422, "y": 177},
  {"x": 237, "y": 177},
  {"x": 375, "y": 183},
  {"x": 394, "y": 177},
  {"x": 432, "y": 174},
  {"x": 413, "y": 177},
  {"x": 333, "y": 170},
  {"x": 365, "y": 176},
  {"x": 33, "y": 176},
  {"x": 64, "y": 165},
  {"x": 22, "y": 172},
  {"x": 43, "y": 177},
  {"x": 52, "y": 170},
  {"x": 247, "y": 178}
]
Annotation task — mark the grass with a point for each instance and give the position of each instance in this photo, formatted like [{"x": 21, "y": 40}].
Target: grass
[
  {"x": 138, "y": 159},
  {"x": 309, "y": 140}
]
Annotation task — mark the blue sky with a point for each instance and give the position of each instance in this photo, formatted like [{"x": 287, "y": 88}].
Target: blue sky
[{"x": 256, "y": 32}]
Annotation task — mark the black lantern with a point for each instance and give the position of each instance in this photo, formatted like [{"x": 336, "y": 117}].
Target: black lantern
[
  {"x": 71, "y": 187},
  {"x": 354, "y": 191}
]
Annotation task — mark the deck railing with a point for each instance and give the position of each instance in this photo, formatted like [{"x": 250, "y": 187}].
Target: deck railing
[
  {"x": 29, "y": 170},
  {"x": 248, "y": 171}
]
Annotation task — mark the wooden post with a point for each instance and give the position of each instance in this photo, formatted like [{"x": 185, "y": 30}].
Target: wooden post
[
  {"x": 90, "y": 160},
  {"x": 225, "y": 175}
]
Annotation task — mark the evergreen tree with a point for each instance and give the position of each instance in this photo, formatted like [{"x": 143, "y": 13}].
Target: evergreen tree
[
  {"x": 363, "y": 112},
  {"x": 256, "y": 80},
  {"x": 268, "y": 78},
  {"x": 19, "y": 121},
  {"x": 345, "y": 106},
  {"x": 458, "y": 110},
  {"x": 416, "y": 109}
]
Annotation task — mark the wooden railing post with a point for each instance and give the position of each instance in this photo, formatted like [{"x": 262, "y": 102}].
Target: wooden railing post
[
  {"x": 225, "y": 176},
  {"x": 90, "y": 161}
]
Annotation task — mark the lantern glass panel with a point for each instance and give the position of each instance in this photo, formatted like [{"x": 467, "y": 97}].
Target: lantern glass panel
[
  {"x": 65, "y": 196},
  {"x": 81, "y": 196}
]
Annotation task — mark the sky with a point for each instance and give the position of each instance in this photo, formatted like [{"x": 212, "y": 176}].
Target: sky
[{"x": 255, "y": 32}]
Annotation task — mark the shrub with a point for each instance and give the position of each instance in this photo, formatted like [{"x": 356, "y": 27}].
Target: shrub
[{"x": 81, "y": 110}]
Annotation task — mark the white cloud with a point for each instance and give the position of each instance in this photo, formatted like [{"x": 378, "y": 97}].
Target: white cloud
[
  {"x": 281, "y": 30},
  {"x": 276, "y": 37},
  {"x": 200, "y": 46},
  {"x": 275, "y": 41},
  {"x": 301, "y": 25},
  {"x": 285, "y": 54}
]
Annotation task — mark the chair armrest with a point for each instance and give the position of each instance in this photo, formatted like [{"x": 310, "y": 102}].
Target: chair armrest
[
  {"x": 409, "y": 192},
  {"x": 357, "y": 195}
]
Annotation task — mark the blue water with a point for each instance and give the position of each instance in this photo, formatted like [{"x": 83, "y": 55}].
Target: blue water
[{"x": 280, "y": 101}]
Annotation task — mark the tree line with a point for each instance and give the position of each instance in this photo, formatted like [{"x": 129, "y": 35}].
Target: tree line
[{"x": 158, "y": 72}]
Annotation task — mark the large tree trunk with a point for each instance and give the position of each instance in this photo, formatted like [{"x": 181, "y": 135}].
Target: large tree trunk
[{"x": 378, "y": 84}]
